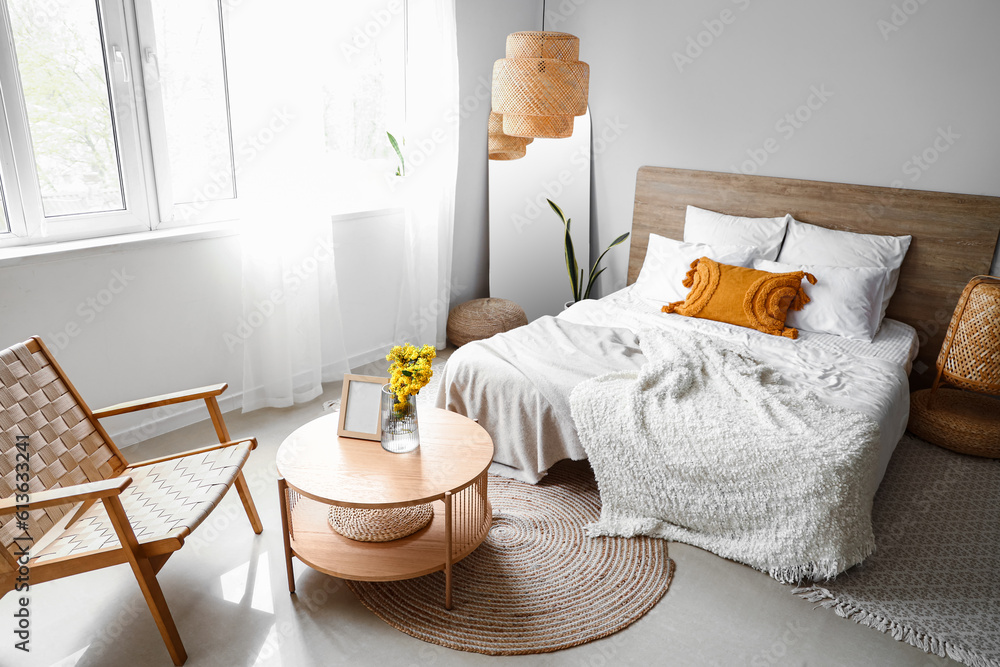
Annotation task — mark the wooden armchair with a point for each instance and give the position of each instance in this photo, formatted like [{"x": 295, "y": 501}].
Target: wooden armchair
[{"x": 70, "y": 499}]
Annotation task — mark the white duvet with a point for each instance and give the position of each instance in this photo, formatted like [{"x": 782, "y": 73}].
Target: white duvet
[{"x": 518, "y": 383}]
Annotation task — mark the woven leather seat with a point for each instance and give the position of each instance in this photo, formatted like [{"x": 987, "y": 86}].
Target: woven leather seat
[
  {"x": 68, "y": 494},
  {"x": 166, "y": 501}
]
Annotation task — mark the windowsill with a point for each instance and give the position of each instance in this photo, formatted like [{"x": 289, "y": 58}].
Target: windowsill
[{"x": 59, "y": 250}]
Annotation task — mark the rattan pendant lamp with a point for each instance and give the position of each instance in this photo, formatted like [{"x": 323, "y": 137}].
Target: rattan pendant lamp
[
  {"x": 541, "y": 84},
  {"x": 965, "y": 418}
]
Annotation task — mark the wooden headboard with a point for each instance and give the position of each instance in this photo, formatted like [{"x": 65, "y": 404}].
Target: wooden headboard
[{"x": 954, "y": 235}]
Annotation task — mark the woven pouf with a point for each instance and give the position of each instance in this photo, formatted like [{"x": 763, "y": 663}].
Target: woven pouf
[
  {"x": 959, "y": 420},
  {"x": 481, "y": 318},
  {"x": 381, "y": 525}
]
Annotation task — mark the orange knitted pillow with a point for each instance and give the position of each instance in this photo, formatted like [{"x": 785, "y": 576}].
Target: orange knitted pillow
[{"x": 744, "y": 297}]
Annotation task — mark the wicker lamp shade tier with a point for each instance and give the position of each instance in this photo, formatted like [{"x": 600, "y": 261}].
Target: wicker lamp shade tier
[
  {"x": 482, "y": 318},
  {"x": 502, "y": 146},
  {"x": 541, "y": 84},
  {"x": 960, "y": 419}
]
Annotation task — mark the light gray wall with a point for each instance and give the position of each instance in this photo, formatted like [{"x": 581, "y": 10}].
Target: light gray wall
[
  {"x": 483, "y": 26},
  {"x": 891, "y": 92}
]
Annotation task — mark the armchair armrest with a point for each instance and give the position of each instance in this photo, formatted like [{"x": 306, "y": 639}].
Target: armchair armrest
[
  {"x": 210, "y": 391},
  {"x": 68, "y": 494}
]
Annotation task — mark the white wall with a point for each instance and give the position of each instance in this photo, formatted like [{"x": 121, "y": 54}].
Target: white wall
[
  {"x": 131, "y": 322},
  {"x": 889, "y": 96}
]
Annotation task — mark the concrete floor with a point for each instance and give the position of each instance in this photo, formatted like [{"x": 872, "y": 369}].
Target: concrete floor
[{"x": 228, "y": 594}]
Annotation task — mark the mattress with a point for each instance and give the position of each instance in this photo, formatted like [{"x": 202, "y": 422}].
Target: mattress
[{"x": 518, "y": 383}]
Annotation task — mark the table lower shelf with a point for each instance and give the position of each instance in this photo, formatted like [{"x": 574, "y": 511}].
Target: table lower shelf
[{"x": 317, "y": 545}]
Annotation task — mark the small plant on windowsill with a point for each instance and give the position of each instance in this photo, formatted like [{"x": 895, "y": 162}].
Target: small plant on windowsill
[
  {"x": 401, "y": 169},
  {"x": 580, "y": 291}
]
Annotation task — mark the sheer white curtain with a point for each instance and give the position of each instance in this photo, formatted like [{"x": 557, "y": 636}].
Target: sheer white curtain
[
  {"x": 431, "y": 155},
  {"x": 292, "y": 336},
  {"x": 291, "y": 333}
]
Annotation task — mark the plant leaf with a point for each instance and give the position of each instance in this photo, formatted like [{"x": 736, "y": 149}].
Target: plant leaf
[
  {"x": 593, "y": 270},
  {"x": 590, "y": 284},
  {"x": 402, "y": 168},
  {"x": 570, "y": 254},
  {"x": 558, "y": 210},
  {"x": 571, "y": 264}
]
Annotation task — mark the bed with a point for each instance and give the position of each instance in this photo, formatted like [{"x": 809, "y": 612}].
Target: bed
[{"x": 519, "y": 384}]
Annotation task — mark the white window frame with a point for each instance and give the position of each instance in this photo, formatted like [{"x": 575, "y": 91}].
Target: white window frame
[
  {"x": 176, "y": 215},
  {"x": 137, "y": 117}
]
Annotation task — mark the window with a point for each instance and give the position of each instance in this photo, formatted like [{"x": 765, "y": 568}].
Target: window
[
  {"x": 80, "y": 100},
  {"x": 183, "y": 52},
  {"x": 364, "y": 99}
]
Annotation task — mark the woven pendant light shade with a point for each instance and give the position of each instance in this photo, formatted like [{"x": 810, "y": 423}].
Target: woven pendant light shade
[
  {"x": 502, "y": 146},
  {"x": 541, "y": 84}
]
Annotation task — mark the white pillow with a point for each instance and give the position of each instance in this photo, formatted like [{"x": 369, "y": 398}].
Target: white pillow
[
  {"x": 667, "y": 261},
  {"x": 845, "y": 301},
  {"x": 703, "y": 226},
  {"x": 809, "y": 244}
]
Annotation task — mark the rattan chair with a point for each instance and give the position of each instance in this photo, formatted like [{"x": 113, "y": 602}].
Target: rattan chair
[
  {"x": 965, "y": 417},
  {"x": 70, "y": 499}
]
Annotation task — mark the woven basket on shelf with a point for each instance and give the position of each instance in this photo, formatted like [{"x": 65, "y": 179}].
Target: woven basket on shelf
[
  {"x": 959, "y": 419},
  {"x": 541, "y": 84},
  {"x": 482, "y": 318},
  {"x": 379, "y": 525}
]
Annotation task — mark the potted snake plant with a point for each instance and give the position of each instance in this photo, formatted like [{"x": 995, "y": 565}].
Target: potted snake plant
[{"x": 581, "y": 289}]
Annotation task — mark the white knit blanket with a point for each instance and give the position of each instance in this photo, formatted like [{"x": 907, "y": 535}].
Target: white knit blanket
[{"x": 705, "y": 446}]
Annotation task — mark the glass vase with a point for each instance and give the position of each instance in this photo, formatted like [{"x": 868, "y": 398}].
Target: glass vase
[{"x": 399, "y": 427}]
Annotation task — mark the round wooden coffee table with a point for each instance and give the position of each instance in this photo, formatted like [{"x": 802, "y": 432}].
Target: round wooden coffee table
[{"x": 449, "y": 469}]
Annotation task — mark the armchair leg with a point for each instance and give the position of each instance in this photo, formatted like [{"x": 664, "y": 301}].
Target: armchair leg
[
  {"x": 146, "y": 577},
  {"x": 251, "y": 509}
]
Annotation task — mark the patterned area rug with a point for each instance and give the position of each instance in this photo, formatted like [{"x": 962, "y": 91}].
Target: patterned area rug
[
  {"x": 934, "y": 580},
  {"x": 537, "y": 583}
]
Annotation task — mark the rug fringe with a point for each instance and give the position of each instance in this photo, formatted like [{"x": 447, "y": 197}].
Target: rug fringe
[{"x": 824, "y": 598}]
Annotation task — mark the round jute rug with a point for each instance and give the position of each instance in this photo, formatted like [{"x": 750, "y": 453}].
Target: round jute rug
[{"x": 537, "y": 583}]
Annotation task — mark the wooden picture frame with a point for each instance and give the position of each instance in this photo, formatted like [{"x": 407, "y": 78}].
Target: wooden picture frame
[{"x": 360, "y": 407}]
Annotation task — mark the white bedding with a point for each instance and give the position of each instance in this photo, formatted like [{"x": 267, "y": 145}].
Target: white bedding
[{"x": 518, "y": 383}]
